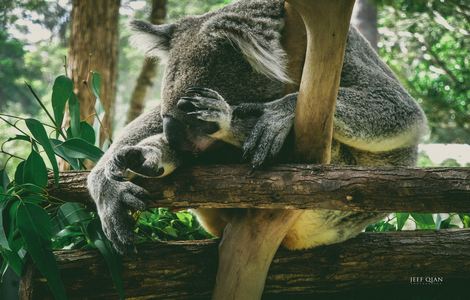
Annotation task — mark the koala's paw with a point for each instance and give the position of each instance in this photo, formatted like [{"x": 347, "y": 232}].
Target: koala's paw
[
  {"x": 206, "y": 105},
  {"x": 135, "y": 160},
  {"x": 114, "y": 201},
  {"x": 269, "y": 134}
]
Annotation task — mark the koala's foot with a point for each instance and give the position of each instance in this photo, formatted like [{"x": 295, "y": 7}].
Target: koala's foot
[
  {"x": 115, "y": 197},
  {"x": 114, "y": 201},
  {"x": 207, "y": 105},
  {"x": 271, "y": 131}
]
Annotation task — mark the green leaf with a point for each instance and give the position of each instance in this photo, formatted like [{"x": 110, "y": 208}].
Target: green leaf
[
  {"x": 32, "y": 222},
  {"x": 79, "y": 148},
  {"x": 30, "y": 188},
  {"x": 60, "y": 151},
  {"x": 39, "y": 133},
  {"x": 185, "y": 217},
  {"x": 99, "y": 109},
  {"x": 71, "y": 212},
  {"x": 20, "y": 137},
  {"x": 19, "y": 173},
  {"x": 74, "y": 109},
  {"x": 96, "y": 235},
  {"x": 86, "y": 132},
  {"x": 170, "y": 231},
  {"x": 465, "y": 218},
  {"x": 61, "y": 90},
  {"x": 423, "y": 221},
  {"x": 14, "y": 261},
  {"x": 3, "y": 236},
  {"x": 4, "y": 180},
  {"x": 96, "y": 83},
  {"x": 35, "y": 170},
  {"x": 401, "y": 219}
]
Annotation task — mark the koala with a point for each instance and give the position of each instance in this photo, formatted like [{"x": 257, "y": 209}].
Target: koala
[{"x": 223, "y": 98}]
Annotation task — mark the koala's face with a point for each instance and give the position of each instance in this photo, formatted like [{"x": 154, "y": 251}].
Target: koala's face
[{"x": 221, "y": 51}]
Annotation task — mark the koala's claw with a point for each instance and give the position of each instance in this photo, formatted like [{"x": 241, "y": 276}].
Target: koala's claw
[
  {"x": 204, "y": 92},
  {"x": 132, "y": 160},
  {"x": 270, "y": 132},
  {"x": 206, "y": 105},
  {"x": 114, "y": 201}
]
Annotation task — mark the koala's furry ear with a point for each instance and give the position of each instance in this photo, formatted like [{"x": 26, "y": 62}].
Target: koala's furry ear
[
  {"x": 269, "y": 61},
  {"x": 257, "y": 37},
  {"x": 154, "y": 40}
]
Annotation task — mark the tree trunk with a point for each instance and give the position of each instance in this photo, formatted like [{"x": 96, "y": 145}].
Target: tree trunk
[
  {"x": 148, "y": 71},
  {"x": 395, "y": 264},
  {"x": 365, "y": 19},
  {"x": 94, "y": 47}
]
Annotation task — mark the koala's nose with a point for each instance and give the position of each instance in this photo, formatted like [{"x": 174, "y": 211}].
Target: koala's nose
[{"x": 175, "y": 132}]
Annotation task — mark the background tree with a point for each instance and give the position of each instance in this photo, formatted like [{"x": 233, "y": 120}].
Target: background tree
[
  {"x": 148, "y": 71},
  {"x": 94, "y": 47},
  {"x": 427, "y": 44},
  {"x": 365, "y": 19}
]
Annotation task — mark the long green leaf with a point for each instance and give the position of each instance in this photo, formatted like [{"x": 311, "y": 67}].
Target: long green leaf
[
  {"x": 424, "y": 221},
  {"x": 35, "y": 170},
  {"x": 401, "y": 219},
  {"x": 99, "y": 109},
  {"x": 39, "y": 133},
  {"x": 79, "y": 148},
  {"x": 4, "y": 180},
  {"x": 20, "y": 137},
  {"x": 19, "y": 173},
  {"x": 96, "y": 84},
  {"x": 61, "y": 91},
  {"x": 74, "y": 109},
  {"x": 96, "y": 235},
  {"x": 86, "y": 132},
  {"x": 60, "y": 151},
  {"x": 71, "y": 212},
  {"x": 30, "y": 220},
  {"x": 14, "y": 261},
  {"x": 3, "y": 236}
]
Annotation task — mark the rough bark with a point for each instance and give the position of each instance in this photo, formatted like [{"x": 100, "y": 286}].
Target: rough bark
[
  {"x": 94, "y": 47},
  {"x": 149, "y": 67},
  {"x": 365, "y": 19},
  {"x": 376, "y": 264},
  {"x": 352, "y": 188}
]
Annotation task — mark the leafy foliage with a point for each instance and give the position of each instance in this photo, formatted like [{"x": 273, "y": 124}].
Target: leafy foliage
[
  {"x": 32, "y": 223},
  {"x": 163, "y": 225},
  {"x": 427, "y": 43}
]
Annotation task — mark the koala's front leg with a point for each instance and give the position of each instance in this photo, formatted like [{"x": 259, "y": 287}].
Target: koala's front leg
[
  {"x": 259, "y": 128},
  {"x": 141, "y": 149},
  {"x": 271, "y": 130}
]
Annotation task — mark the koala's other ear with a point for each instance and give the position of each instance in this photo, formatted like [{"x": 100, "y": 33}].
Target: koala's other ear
[{"x": 154, "y": 40}]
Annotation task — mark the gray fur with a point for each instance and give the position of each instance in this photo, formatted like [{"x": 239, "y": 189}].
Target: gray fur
[{"x": 234, "y": 55}]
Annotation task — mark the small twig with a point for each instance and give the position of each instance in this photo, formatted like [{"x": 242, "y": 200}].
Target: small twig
[
  {"x": 12, "y": 155},
  {"x": 24, "y": 119},
  {"x": 13, "y": 125}
]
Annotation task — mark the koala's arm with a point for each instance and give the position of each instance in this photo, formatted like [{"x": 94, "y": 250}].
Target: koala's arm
[
  {"x": 141, "y": 149},
  {"x": 371, "y": 118},
  {"x": 259, "y": 128}
]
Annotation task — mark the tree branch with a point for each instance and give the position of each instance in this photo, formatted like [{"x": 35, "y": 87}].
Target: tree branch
[
  {"x": 292, "y": 186},
  {"x": 373, "y": 263}
]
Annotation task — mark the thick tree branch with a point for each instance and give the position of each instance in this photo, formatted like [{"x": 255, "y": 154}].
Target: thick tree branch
[
  {"x": 299, "y": 186},
  {"x": 373, "y": 262}
]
